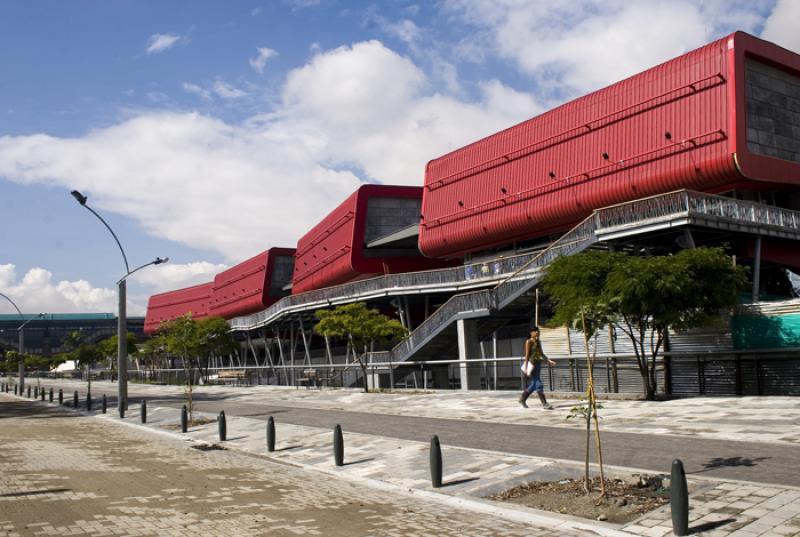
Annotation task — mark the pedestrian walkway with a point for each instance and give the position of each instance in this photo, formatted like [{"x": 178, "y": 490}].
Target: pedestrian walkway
[
  {"x": 67, "y": 474},
  {"x": 774, "y": 420},
  {"x": 721, "y": 507}
]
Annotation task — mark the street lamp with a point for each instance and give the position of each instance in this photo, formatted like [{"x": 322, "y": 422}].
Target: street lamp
[
  {"x": 122, "y": 320},
  {"x": 21, "y": 341}
]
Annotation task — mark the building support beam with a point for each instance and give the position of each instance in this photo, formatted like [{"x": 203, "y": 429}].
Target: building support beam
[
  {"x": 757, "y": 269},
  {"x": 468, "y": 349}
]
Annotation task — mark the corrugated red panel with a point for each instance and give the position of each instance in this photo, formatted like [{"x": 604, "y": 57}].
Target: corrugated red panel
[
  {"x": 171, "y": 305},
  {"x": 249, "y": 286},
  {"x": 333, "y": 251},
  {"x": 677, "y": 125}
]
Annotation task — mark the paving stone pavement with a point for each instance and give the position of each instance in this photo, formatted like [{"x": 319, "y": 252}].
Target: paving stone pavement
[
  {"x": 755, "y": 419},
  {"x": 718, "y": 508},
  {"x": 67, "y": 474}
]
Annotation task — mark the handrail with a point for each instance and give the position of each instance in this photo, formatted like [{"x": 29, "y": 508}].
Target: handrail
[
  {"x": 577, "y": 239},
  {"x": 512, "y": 275},
  {"x": 485, "y": 272}
]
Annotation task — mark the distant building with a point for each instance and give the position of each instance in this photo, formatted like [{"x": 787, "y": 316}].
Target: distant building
[{"x": 45, "y": 336}]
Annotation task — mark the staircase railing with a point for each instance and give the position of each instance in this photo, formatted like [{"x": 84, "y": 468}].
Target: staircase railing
[
  {"x": 483, "y": 302},
  {"x": 481, "y": 273},
  {"x": 513, "y": 275},
  {"x": 665, "y": 206}
]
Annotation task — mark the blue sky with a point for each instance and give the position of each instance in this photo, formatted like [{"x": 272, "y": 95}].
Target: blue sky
[{"x": 208, "y": 131}]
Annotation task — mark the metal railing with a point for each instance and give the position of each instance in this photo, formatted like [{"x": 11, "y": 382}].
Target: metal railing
[
  {"x": 468, "y": 304},
  {"x": 689, "y": 203},
  {"x": 479, "y": 274},
  {"x": 666, "y": 206},
  {"x": 513, "y": 275}
]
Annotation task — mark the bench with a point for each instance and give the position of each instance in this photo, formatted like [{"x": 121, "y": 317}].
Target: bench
[
  {"x": 311, "y": 378},
  {"x": 234, "y": 375}
]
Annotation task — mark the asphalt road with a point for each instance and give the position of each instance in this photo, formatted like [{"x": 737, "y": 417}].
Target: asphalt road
[{"x": 749, "y": 461}]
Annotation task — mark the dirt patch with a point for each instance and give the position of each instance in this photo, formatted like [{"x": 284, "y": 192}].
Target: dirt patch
[
  {"x": 627, "y": 499},
  {"x": 195, "y": 423}
]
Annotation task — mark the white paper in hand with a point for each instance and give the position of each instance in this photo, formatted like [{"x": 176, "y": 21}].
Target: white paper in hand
[{"x": 527, "y": 368}]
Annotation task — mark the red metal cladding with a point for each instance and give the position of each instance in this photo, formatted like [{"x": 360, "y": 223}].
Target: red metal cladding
[
  {"x": 171, "y": 305},
  {"x": 332, "y": 252},
  {"x": 252, "y": 285},
  {"x": 678, "y": 125}
]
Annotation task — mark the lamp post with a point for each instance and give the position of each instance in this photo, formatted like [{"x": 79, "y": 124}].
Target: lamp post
[
  {"x": 21, "y": 341},
  {"x": 122, "y": 320}
]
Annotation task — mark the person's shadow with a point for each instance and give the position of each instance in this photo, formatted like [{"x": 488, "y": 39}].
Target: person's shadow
[{"x": 730, "y": 462}]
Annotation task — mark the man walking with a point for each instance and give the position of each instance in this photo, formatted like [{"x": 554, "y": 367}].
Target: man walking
[{"x": 532, "y": 367}]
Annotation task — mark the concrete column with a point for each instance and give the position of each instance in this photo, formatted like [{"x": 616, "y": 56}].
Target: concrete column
[
  {"x": 468, "y": 349},
  {"x": 756, "y": 269}
]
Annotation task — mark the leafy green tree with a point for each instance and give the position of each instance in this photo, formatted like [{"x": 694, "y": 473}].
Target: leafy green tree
[
  {"x": 11, "y": 363},
  {"x": 182, "y": 337},
  {"x": 107, "y": 348},
  {"x": 81, "y": 350},
  {"x": 153, "y": 353},
  {"x": 361, "y": 327},
  {"x": 214, "y": 340},
  {"x": 644, "y": 297}
]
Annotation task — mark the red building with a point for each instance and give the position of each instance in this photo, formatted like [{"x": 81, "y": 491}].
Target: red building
[
  {"x": 252, "y": 285},
  {"x": 172, "y": 304},
  {"x": 715, "y": 119},
  {"x": 334, "y": 251}
]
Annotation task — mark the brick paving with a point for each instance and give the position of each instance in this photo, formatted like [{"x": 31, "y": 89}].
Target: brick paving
[
  {"x": 718, "y": 508},
  {"x": 63, "y": 474}
]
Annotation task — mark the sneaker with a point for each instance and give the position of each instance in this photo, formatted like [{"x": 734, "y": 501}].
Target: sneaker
[{"x": 547, "y": 406}]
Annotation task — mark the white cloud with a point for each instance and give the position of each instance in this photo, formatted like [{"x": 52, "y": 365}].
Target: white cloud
[
  {"x": 264, "y": 55},
  {"x": 256, "y": 11},
  {"x": 783, "y": 25},
  {"x": 169, "y": 276},
  {"x": 227, "y": 91},
  {"x": 570, "y": 48},
  {"x": 161, "y": 42},
  {"x": 36, "y": 292},
  {"x": 352, "y": 113},
  {"x": 157, "y": 96},
  {"x": 197, "y": 90}
]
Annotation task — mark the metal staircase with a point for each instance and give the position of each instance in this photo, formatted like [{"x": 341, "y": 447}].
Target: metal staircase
[
  {"x": 675, "y": 209},
  {"x": 508, "y": 278}
]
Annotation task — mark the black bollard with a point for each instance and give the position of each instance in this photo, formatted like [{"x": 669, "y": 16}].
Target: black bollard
[
  {"x": 60, "y": 396},
  {"x": 436, "y": 462},
  {"x": 143, "y": 411},
  {"x": 15, "y": 389},
  {"x": 89, "y": 401},
  {"x": 184, "y": 419},
  {"x": 104, "y": 405},
  {"x": 75, "y": 400},
  {"x": 29, "y": 392},
  {"x": 338, "y": 446},
  {"x": 36, "y": 392},
  {"x": 121, "y": 409},
  {"x": 51, "y": 395},
  {"x": 41, "y": 394},
  {"x": 679, "y": 499},
  {"x": 223, "y": 427},
  {"x": 270, "y": 434}
]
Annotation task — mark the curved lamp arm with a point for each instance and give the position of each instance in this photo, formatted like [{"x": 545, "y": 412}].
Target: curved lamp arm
[
  {"x": 156, "y": 261},
  {"x": 82, "y": 200}
]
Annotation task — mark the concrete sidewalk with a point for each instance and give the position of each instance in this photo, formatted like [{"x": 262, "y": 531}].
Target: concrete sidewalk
[
  {"x": 725, "y": 507},
  {"x": 63, "y": 473},
  {"x": 774, "y": 420}
]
